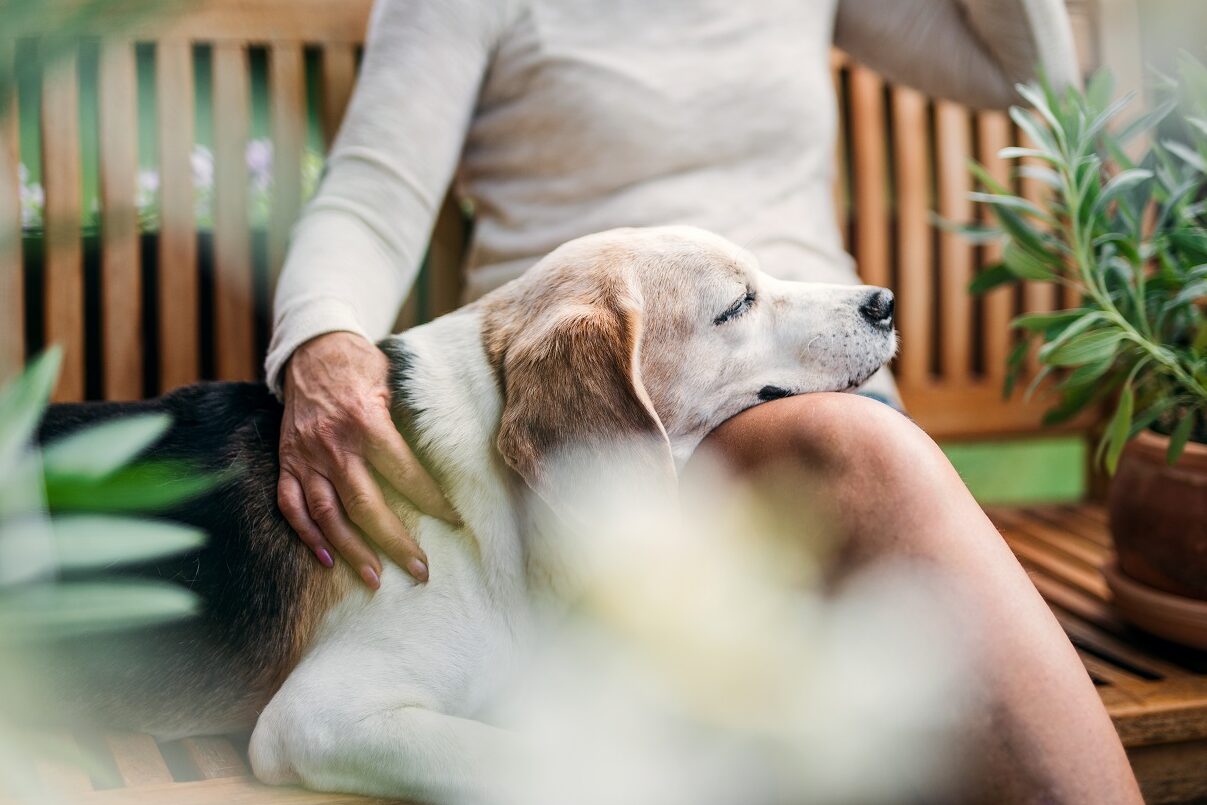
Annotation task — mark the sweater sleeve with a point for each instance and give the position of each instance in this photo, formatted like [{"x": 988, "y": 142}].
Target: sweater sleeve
[
  {"x": 355, "y": 252},
  {"x": 970, "y": 51}
]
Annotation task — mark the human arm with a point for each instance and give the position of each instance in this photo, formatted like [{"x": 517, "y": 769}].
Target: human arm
[
  {"x": 352, "y": 259},
  {"x": 970, "y": 51}
]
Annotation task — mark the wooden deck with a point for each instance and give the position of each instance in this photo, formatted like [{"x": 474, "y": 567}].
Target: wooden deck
[{"x": 1156, "y": 692}]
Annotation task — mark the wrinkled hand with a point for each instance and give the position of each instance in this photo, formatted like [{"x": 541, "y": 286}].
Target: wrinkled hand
[{"x": 337, "y": 441}]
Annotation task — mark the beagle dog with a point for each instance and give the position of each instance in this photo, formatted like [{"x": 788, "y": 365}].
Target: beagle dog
[{"x": 649, "y": 338}]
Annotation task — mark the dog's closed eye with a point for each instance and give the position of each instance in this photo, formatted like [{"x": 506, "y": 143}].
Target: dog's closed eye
[{"x": 737, "y": 308}]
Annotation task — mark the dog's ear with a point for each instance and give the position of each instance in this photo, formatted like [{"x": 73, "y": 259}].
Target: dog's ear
[{"x": 577, "y": 420}]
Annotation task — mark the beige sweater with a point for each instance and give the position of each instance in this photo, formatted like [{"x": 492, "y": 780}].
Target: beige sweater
[{"x": 559, "y": 118}]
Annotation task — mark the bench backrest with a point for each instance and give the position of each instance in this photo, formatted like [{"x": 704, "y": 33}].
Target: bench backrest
[{"x": 139, "y": 313}]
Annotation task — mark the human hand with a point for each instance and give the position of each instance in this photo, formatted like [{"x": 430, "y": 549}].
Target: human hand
[{"x": 336, "y": 436}]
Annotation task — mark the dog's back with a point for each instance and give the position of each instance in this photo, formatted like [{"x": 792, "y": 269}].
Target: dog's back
[{"x": 261, "y": 592}]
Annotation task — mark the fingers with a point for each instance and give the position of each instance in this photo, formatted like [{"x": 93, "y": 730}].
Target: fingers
[
  {"x": 393, "y": 458},
  {"x": 324, "y": 508},
  {"x": 366, "y": 507},
  {"x": 293, "y": 505}
]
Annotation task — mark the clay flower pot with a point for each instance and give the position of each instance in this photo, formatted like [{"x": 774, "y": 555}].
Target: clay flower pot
[{"x": 1158, "y": 517}]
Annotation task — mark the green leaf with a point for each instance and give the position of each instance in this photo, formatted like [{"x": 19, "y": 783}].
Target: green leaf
[
  {"x": 1090, "y": 347},
  {"x": 1100, "y": 89},
  {"x": 62, "y": 610},
  {"x": 1041, "y": 322},
  {"x": 102, "y": 449},
  {"x": 1089, "y": 372},
  {"x": 85, "y": 541},
  {"x": 1117, "y": 432},
  {"x": 1014, "y": 365},
  {"x": 147, "y": 486},
  {"x": 1122, "y": 181},
  {"x": 1187, "y": 155},
  {"x": 1033, "y": 129},
  {"x": 991, "y": 278},
  {"x": 1024, "y": 264},
  {"x": 1015, "y": 152},
  {"x": 997, "y": 200},
  {"x": 22, "y": 403},
  {"x": 1179, "y": 437}
]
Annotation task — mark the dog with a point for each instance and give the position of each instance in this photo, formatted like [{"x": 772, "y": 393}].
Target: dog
[{"x": 639, "y": 341}]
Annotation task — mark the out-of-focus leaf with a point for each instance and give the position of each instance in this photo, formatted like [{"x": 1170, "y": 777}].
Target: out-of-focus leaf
[
  {"x": 87, "y": 541},
  {"x": 1041, "y": 322},
  {"x": 991, "y": 278},
  {"x": 1117, "y": 432},
  {"x": 22, "y": 403},
  {"x": 1024, "y": 264},
  {"x": 1090, "y": 347},
  {"x": 55, "y": 611},
  {"x": 1190, "y": 157},
  {"x": 148, "y": 486},
  {"x": 1121, "y": 182},
  {"x": 100, "y": 450},
  {"x": 1179, "y": 438},
  {"x": 1014, "y": 366}
]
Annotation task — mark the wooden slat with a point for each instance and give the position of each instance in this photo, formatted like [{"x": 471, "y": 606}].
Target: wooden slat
[
  {"x": 1070, "y": 545},
  {"x": 1104, "y": 671},
  {"x": 339, "y": 76},
  {"x": 1172, "y": 774},
  {"x": 178, "y": 278},
  {"x": 59, "y": 774},
  {"x": 215, "y": 758},
  {"x": 287, "y": 104},
  {"x": 121, "y": 274},
  {"x": 1069, "y": 571},
  {"x": 1159, "y": 712},
  {"x": 870, "y": 175},
  {"x": 12, "y": 284},
  {"x": 444, "y": 258},
  {"x": 234, "y": 300},
  {"x": 954, "y": 148},
  {"x": 64, "y": 265},
  {"x": 138, "y": 759},
  {"x": 911, "y": 149},
  {"x": 993, "y": 136}
]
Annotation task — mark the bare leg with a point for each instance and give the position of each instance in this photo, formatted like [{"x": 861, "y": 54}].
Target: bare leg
[{"x": 889, "y": 492}]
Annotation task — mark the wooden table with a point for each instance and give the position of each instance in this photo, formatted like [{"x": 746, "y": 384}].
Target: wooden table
[{"x": 1155, "y": 692}]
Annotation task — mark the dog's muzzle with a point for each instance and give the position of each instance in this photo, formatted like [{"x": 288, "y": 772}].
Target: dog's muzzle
[{"x": 877, "y": 309}]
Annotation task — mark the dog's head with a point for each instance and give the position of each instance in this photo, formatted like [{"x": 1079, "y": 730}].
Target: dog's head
[{"x": 658, "y": 335}]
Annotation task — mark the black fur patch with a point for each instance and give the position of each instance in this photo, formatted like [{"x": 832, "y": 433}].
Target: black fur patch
[{"x": 768, "y": 393}]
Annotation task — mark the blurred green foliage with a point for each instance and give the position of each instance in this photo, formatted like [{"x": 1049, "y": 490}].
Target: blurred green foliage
[{"x": 1130, "y": 236}]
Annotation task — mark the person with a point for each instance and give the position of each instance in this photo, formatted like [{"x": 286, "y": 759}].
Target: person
[{"x": 559, "y": 118}]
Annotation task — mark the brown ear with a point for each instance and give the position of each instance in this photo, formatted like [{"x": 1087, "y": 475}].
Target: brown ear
[{"x": 576, "y": 414}]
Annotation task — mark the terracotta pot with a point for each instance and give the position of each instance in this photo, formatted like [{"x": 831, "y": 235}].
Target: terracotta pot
[{"x": 1158, "y": 516}]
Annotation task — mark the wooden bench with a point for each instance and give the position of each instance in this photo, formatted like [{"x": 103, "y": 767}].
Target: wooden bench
[{"x": 140, "y": 314}]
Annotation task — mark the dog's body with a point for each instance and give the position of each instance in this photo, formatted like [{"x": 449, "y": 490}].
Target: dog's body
[{"x": 627, "y": 337}]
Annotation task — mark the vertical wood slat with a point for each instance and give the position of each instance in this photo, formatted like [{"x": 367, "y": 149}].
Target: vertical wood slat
[
  {"x": 339, "y": 76},
  {"x": 214, "y": 757},
  {"x": 993, "y": 136},
  {"x": 287, "y": 112},
  {"x": 138, "y": 759},
  {"x": 12, "y": 284},
  {"x": 870, "y": 175},
  {"x": 915, "y": 310},
  {"x": 837, "y": 62},
  {"x": 121, "y": 274},
  {"x": 63, "y": 280},
  {"x": 954, "y": 148},
  {"x": 178, "y": 276},
  {"x": 444, "y": 258},
  {"x": 234, "y": 294}
]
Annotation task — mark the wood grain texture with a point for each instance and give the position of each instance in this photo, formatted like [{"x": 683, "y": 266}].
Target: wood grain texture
[
  {"x": 12, "y": 280},
  {"x": 915, "y": 257},
  {"x": 60, "y": 775},
  {"x": 287, "y": 112},
  {"x": 234, "y": 293},
  {"x": 838, "y": 63},
  {"x": 63, "y": 269},
  {"x": 179, "y": 331},
  {"x": 215, "y": 757},
  {"x": 138, "y": 759},
  {"x": 870, "y": 170},
  {"x": 121, "y": 273},
  {"x": 998, "y": 305},
  {"x": 953, "y": 135},
  {"x": 338, "y": 78}
]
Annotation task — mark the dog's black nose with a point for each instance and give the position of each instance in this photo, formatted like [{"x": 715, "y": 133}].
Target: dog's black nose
[{"x": 878, "y": 308}]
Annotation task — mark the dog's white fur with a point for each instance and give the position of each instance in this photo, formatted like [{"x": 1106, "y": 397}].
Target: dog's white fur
[{"x": 384, "y": 700}]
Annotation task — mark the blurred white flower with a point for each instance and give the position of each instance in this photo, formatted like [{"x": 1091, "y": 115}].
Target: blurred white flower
[
  {"x": 33, "y": 202},
  {"x": 202, "y": 160},
  {"x": 259, "y": 163}
]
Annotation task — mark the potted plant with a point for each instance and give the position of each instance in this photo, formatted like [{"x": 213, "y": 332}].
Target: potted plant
[{"x": 1127, "y": 232}]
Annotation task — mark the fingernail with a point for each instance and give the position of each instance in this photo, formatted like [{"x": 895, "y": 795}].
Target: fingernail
[
  {"x": 418, "y": 569},
  {"x": 325, "y": 557},
  {"x": 370, "y": 576}
]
